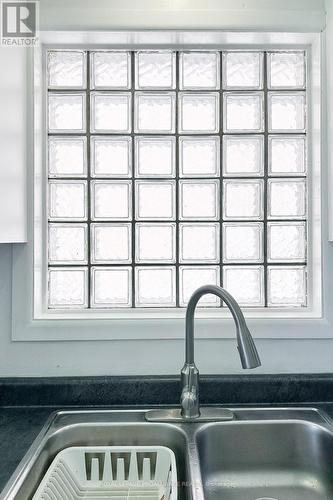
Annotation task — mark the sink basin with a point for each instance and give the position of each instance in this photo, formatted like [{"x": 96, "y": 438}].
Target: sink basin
[
  {"x": 263, "y": 454},
  {"x": 285, "y": 460},
  {"x": 97, "y": 429}
]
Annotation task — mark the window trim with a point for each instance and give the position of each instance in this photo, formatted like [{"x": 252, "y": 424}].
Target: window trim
[{"x": 35, "y": 278}]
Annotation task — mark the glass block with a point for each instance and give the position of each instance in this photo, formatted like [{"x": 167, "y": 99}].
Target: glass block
[
  {"x": 67, "y": 157},
  {"x": 155, "y": 112},
  {"x": 155, "y": 156},
  {"x": 243, "y": 199},
  {"x": 111, "y": 243},
  {"x": 111, "y": 200},
  {"x": 243, "y": 156},
  {"x": 286, "y": 111},
  {"x": 155, "y": 286},
  {"x": 199, "y": 200},
  {"x": 286, "y": 286},
  {"x": 286, "y": 198},
  {"x": 199, "y": 243},
  {"x": 155, "y": 70},
  {"x": 110, "y": 70},
  {"x": 67, "y": 112},
  {"x": 68, "y": 200},
  {"x": 68, "y": 288},
  {"x": 198, "y": 113},
  {"x": 68, "y": 244},
  {"x": 111, "y": 112},
  {"x": 242, "y": 242},
  {"x": 246, "y": 284},
  {"x": 242, "y": 70},
  {"x": 67, "y": 68},
  {"x": 243, "y": 112},
  {"x": 111, "y": 287},
  {"x": 286, "y": 70},
  {"x": 192, "y": 277},
  {"x": 155, "y": 200},
  {"x": 286, "y": 241},
  {"x": 199, "y": 156},
  {"x": 155, "y": 243},
  {"x": 199, "y": 70},
  {"x": 287, "y": 155},
  {"x": 111, "y": 156}
]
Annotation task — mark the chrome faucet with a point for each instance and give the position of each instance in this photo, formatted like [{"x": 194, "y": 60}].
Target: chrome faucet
[
  {"x": 190, "y": 375},
  {"x": 190, "y": 409}
]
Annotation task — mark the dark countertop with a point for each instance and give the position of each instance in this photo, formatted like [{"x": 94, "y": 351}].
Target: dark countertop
[
  {"x": 25, "y": 404},
  {"x": 18, "y": 428}
]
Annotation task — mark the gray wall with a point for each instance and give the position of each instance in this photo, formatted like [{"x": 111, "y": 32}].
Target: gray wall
[{"x": 142, "y": 357}]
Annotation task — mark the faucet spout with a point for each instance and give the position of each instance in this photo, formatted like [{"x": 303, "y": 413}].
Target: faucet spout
[{"x": 245, "y": 343}]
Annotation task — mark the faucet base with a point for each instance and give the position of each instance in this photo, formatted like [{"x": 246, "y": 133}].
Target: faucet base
[{"x": 208, "y": 414}]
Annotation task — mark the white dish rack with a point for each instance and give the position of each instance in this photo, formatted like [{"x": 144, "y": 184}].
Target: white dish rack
[{"x": 111, "y": 472}]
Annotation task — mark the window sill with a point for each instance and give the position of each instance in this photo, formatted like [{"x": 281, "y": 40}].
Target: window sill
[
  {"x": 146, "y": 314},
  {"x": 167, "y": 329}
]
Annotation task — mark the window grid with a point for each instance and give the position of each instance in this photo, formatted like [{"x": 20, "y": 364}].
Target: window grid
[
  {"x": 133, "y": 181},
  {"x": 177, "y": 179},
  {"x": 221, "y": 168},
  {"x": 221, "y": 91},
  {"x": 88, "y": 177},
  {"x": 265, "y": 174}
]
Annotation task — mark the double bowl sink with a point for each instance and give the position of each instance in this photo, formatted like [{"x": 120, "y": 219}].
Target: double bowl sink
[{"x": 262, "y": 454}]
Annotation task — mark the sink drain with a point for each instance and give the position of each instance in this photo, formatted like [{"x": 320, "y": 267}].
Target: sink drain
[{"x": 266, "y": 498}]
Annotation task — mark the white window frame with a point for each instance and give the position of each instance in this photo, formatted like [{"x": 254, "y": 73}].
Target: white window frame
[{"x": 30, "y": 276}]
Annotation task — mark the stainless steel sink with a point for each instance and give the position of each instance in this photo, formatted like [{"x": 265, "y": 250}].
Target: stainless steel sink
[
  {"x": 266, "y": 454},
  {"x": 96, "y": 428},
  {"x": 266, "y": 460}
]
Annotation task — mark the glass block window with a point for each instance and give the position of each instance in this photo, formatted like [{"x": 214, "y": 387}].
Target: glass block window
[{"x": 168, "y": 170}]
